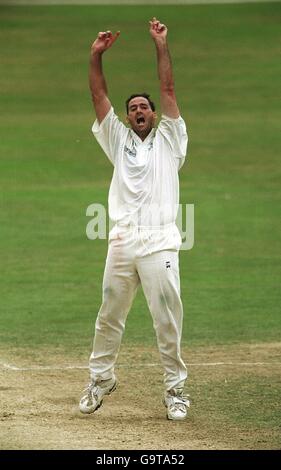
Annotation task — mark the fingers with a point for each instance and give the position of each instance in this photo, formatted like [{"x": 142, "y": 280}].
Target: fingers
[
  {"x": 105, "y": 34},
  {"x": 156, "y": 25},
  {"x": 108, "y": 35},
  {"x": 116, "y": 35}
]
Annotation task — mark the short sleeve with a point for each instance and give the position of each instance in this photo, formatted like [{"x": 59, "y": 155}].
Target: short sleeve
[
  {"x": 109, "y": 134},
  {"x": 174, "y": 131}
]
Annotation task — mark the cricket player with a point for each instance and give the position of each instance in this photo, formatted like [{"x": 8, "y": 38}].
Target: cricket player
[{"x": 144, "y": 242}]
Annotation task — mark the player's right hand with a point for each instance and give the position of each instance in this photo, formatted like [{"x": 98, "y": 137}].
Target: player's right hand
[{"x": 104, "y": 41}]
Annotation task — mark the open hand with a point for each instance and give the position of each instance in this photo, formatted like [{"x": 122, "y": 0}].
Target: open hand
[{"x": 104, "y": 41}]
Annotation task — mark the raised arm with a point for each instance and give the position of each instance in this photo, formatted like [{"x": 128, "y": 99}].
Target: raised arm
[
  {"x": 168, "y": 100},
  {"x": 96, "y": 78}
]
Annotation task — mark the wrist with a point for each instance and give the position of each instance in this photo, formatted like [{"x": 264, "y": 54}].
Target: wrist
[
  {"x": 95, "y": 58},
  {"x": 96, "y": 53},
  {"x": 160, "y": 42}
]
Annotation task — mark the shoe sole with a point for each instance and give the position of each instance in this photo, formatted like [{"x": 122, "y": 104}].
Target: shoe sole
[{"x": 176, "y": 419}]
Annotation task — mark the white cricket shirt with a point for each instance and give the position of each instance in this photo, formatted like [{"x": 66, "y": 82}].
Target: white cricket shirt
[{"x": 144, "y": 190}]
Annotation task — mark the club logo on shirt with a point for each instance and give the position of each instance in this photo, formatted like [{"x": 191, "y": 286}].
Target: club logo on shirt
[
  {"x": 130, "y": 152},
  {"x": 168, "y": 264}
]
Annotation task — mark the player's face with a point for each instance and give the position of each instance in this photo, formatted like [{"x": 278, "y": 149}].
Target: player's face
[{"x": 140, "y": 116}]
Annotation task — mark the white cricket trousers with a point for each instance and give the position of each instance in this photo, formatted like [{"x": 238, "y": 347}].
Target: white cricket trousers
[{"x": 158, "y": 274}]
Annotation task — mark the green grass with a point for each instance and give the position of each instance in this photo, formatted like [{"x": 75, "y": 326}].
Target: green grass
[{"x": 227, "y": 79}]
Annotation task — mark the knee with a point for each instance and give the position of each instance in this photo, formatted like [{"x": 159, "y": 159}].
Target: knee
[
  {"x": 108, "y": 293},
  {"x": 161, "y": 304},
  {"x": 106, "y": 320},
  {"x": 111, "y": 311}
]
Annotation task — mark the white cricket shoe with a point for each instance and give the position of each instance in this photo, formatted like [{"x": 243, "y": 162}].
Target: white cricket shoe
[
  {"x": 177, "y": 404},
  {"x": 94, "y": 395}
]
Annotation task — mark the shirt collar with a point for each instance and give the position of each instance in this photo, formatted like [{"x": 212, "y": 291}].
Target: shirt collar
[{"x": 138, "y": 140}]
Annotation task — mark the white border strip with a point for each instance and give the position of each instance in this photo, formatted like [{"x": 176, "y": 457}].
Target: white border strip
[{"x": 5, "y": 366}]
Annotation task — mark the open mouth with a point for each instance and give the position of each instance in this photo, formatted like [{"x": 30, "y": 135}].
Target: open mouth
[{"x": 140, "y": 120}]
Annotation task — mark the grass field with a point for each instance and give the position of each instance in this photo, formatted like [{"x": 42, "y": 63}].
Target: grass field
[{"x": 51, "y": 169}]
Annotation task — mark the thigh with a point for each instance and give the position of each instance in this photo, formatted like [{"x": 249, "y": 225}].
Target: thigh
[
  {"x": 120, "y": 278},
  {"x": 159, "y": 275}
]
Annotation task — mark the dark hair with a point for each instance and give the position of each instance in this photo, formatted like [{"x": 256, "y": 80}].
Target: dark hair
[{"x": 143, "y": 95}]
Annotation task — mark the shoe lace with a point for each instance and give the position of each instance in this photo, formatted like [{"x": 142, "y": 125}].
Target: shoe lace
[
  {"x": 180, "y": 402},
  {"x": 91, "y": 390}
]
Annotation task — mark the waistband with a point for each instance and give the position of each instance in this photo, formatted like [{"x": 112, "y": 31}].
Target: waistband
[{"x": 132, "y": 226}]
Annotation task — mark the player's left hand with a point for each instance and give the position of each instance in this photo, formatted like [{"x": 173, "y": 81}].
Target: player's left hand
[{"x": 157, "y": 30}]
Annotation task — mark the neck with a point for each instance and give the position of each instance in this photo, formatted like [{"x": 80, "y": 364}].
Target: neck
[{"x": 143, "y": 134}]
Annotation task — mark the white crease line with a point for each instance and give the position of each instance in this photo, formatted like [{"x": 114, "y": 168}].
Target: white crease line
[
  {"x": 5, "y": 366},
  {"x": 11, "y": 367},
  {"x": 8, "y": 366},
  {"x": 235, "y": 364}
]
